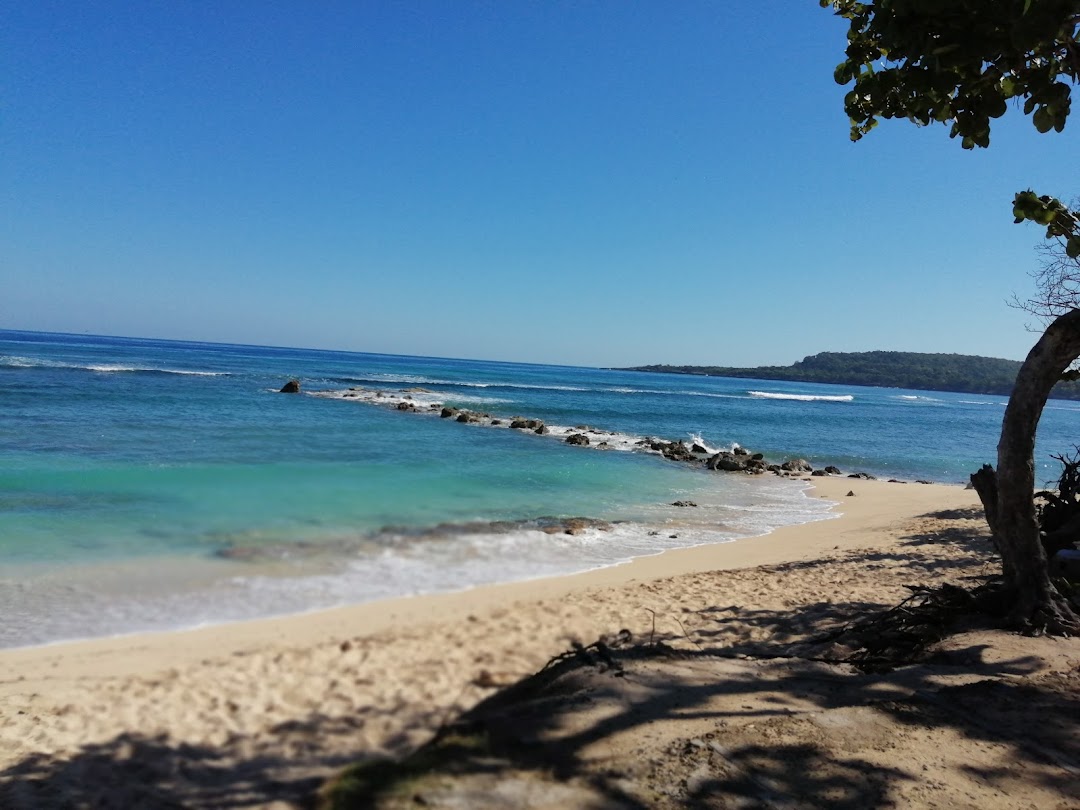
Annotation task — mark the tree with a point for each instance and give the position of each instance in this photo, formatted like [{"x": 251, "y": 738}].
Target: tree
[
  {"x": 960, "y": 62},
  {"x": 1057, "y": 280}
]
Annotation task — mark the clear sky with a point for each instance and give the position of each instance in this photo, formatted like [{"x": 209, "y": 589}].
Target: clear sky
[{"x": 588, "y": 183}]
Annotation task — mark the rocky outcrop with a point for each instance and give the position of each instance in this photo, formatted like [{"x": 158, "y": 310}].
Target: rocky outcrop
[
  {"x": 830, "y": 470},
  {"x": 526, "y": 424},
  {"x": 291, "y": 387},
  {"x": 734, "y": 461},
  {"x": 737, "y": 459},
  {"x": 673, "y": 451}
]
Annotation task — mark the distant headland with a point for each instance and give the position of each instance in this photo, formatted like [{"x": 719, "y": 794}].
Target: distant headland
[{"x": 961, "y": 373}]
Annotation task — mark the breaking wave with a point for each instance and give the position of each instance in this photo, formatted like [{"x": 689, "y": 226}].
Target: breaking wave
[
  {"x": 801, "y": 397},
  {"x": 102, "y": 368}
]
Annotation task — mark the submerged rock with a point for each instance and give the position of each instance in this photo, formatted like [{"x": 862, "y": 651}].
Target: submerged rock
[
  {"x": 291, "y": 387},
  {"x": 578, "y": 439}
]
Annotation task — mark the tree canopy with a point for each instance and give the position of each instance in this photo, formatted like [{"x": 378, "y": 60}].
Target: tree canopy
[{"x": 959, "y": 61}]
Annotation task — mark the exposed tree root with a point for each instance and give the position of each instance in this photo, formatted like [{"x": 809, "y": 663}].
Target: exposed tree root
[{"x": 902, "y": 635}]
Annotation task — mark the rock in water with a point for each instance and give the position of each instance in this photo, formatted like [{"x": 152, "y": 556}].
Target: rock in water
[{"x": 291, "y": 387}]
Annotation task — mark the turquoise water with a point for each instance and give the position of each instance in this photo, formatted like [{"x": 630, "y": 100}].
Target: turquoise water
[{"x": 150, "y": 484}]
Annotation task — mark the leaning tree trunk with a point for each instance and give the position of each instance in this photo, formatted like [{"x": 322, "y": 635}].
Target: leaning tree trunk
[{"x": 1012, "y": 517}]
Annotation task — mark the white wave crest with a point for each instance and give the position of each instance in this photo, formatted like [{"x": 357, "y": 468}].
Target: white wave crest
[
  {"x": 9, "y": 361},
  {"x": 695, "y": 438},
  {"x": 150, "y": 370},
  {"x": 801, "y": 397}
]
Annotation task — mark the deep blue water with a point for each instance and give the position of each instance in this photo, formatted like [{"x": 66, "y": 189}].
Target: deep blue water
[{"x": 151, "y": 484}]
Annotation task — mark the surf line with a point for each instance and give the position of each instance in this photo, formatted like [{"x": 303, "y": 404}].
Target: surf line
[{"x": 738, "y": 459}]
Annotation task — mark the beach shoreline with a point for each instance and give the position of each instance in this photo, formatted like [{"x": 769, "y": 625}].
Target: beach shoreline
[
  {"x": 268, "y": 709},
  {"x": 133, "y": 653}
]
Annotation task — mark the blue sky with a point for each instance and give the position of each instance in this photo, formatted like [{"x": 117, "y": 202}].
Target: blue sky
[{"x": 587, "y": 183}]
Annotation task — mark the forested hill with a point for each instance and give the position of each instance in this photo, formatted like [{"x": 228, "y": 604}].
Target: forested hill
[{"x": 931, "y": 372}]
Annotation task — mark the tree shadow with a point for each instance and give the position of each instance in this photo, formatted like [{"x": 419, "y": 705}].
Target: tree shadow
[
  {"x": 287, "y": 765},
  {"x": 744, "y": 730},
  {"x": 745, "y": 709}
]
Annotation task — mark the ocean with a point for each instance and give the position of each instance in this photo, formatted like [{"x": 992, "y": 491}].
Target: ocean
[{"x": 156, "y": 485}]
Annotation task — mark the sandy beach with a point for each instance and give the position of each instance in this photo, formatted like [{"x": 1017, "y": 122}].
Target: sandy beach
[{"x": 261, "y": 713}]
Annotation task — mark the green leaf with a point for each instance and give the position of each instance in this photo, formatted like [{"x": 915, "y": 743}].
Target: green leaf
[
  {"x": 995, "y": 105},
  {"x": 1043, "y": 119},
  {"x": 1072, "y": 247}
]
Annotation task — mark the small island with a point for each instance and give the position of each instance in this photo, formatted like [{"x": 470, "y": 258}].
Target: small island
[{"x": 960, "y": 373}]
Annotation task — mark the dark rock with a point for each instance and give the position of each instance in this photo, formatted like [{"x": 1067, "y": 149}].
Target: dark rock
[
  {"x": 851, "y": 493},
  {"x": 578, "y": 438},
  {"x": 697, "y": 448},
  {"x": 496, "y": 421},
  {"x": 831, "y": 470},
  {"x": 727, "y": 462},
  {"x": 796, "y": 465},
  {"x": 446, "y": 413},
  {"x": 757, "y": 457},
  {"x": 817, "y": 473},
  {"x": 864, "y": 476},
  {"x": 405, "y": 406},
  {"x": 291, "y": 387},
  {"x": 463, "y": 417},
  {"x": 741, "y": 451},
  {"x": 576, "y": 526},
  {"x": 677, "y": 451},
  {"x": 541, "y": 430},
  {"x": 684, "y": 503},
  {"x": 922, "y": 481}
]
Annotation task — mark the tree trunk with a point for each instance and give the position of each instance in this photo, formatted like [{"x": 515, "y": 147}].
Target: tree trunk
[{"x": 1038, "y": 604}]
